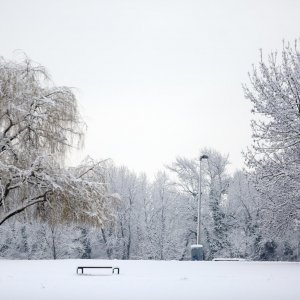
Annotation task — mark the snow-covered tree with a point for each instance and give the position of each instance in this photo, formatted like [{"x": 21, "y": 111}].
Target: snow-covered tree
[
  {"x": 215, "y": 181},
  {"x": 168, "y": 227},
  {"x": 39, "y": 122},
  {"x": 274, "y": 159},
  {"x": 217, "y": 221},
  {"x": 121, "y": 237},
  {"x": 151, "y": 218},
  {"x": 243, "y": 210}
]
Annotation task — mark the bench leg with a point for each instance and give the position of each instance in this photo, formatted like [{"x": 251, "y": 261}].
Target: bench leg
[
  {"x": 116, "y": 269},
  {"x": 80, "y": 269}
]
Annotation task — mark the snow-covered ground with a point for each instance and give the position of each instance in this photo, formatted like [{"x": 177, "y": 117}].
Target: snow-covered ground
[{"x": 145, "y": 280}]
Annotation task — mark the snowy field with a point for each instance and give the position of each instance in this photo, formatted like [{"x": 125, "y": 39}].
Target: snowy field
[{"x": 145, "y": 280}]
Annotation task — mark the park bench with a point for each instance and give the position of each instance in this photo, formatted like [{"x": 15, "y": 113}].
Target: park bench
[{"x": 112, "y": 268}]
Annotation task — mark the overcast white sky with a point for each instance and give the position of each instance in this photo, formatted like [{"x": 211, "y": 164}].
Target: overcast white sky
[{"x": 155, "y": 79}]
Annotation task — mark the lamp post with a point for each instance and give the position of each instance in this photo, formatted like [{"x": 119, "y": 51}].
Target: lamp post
[
  {"x": 199, "y": 198},
  {"x": 197, "y": 250}
]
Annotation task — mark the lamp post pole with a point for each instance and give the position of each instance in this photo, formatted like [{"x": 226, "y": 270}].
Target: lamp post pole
[
  {"x": 197, "y": 252},
  {"x": 199, "y": 198}
]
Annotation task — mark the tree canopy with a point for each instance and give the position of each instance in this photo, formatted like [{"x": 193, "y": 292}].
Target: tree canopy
[{"x": 39, "y": 122}]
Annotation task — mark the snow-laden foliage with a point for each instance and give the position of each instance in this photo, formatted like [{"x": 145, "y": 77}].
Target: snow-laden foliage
[
  {"x": 154, "y": 220},
  {"x": 274, "y": 159},
  {"x": 243, "y": 211},
  {"x": 215, "y": 180},
  {"x": 39, "y": 122},
  {"x": 39, "y": 240},
  {"x": 151, "y": 218},
  {"x": 34, "y": 114},
  {"x": 98, "y": 210}
]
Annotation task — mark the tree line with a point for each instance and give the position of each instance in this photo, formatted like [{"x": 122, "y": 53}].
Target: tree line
[{"x": 99, "y": 210}]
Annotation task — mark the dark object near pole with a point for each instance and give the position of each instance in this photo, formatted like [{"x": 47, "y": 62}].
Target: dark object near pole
[{"x": 197, "y": 252}]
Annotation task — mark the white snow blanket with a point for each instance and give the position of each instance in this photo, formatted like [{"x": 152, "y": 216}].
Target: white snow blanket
[{"x": 155, "y": 280}]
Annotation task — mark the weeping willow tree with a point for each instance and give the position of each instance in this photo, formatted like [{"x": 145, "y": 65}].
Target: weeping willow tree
[{"x": 39, "y": 122}]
